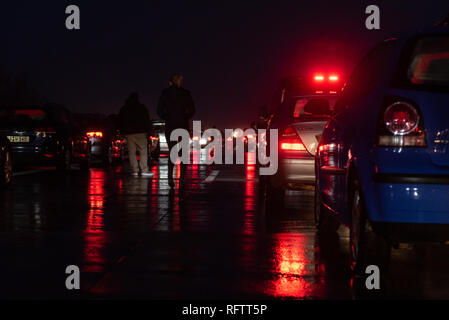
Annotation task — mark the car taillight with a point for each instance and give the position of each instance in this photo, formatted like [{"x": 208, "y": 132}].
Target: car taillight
[
  {"x": 290, "y": 141},
  {"x": 96, "y": 134},
  {"x": 401, "y": 126}
]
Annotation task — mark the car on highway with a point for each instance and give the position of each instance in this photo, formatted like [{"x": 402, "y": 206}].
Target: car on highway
[
  {"x": 382, "y": 166},
  {"x": 107, "y": 146},
  {"x": 45, "y": 134},
  {"x": 158, "y": 142},
  {"x": 5, "y": 162},
  {"x": 305, "y": 107}
]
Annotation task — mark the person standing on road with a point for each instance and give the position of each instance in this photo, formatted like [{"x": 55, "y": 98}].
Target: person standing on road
[
  {"x": 135, "y": 125},
  {"x": 176, "y": 107}
]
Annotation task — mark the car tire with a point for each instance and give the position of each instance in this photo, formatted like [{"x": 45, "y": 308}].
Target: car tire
[
  {"x": 6, "y": 169},
  {"x": 156, "y": 152},
  {"x": 365, "y": 246},
  {"x": 85, "y": 163},
  {"x": 275, "y": 195},
  {"x": 65, "y": 160},
  {"x": 324, "y": 222}
]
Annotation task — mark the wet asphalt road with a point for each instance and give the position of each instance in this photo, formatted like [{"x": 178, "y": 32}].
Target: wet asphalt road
[{"x": 219, "y": 239}]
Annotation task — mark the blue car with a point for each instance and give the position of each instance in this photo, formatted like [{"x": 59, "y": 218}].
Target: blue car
[{"x": 382, "y": 165}]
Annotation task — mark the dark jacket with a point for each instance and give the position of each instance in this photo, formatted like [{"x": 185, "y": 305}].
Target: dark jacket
[
  {"x": 176, "y": 107},
  {"x": 134, "y": 118}
]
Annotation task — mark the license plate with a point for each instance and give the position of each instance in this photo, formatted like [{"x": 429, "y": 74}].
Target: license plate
[{"x": 19, "y": 139}]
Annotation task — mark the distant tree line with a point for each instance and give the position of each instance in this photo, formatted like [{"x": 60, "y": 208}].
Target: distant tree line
[{"x": 15, "y": 91}]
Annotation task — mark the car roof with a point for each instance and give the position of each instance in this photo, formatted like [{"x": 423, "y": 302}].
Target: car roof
[{"x": 435, "y": 30}]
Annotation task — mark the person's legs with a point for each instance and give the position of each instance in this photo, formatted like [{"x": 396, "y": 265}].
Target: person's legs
[
  {"x": 130, "y": 140},
  {"x": 142, "y": 143},
  {"x": 171, "y": 165}
]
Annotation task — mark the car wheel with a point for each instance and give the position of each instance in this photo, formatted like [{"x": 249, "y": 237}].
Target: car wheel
[
  {"x": 65, "y": 160},
  {"x": 85, "y": 163},
  {"x": 107, "y": 159},
  {"x": 365, "y": 246},
  {"x": 6, "y": 173},
  {"x": 275, "y": 195},
  {"x": 156, "y": 152},
  {"x": 324, "y": 222}
]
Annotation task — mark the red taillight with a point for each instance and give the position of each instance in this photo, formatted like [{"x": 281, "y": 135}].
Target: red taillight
[
  {"x": 333, "y": 78},
  {"x": 96, "y": 134},
  {"x": 294, "y": 146},
  {"x": 319, "y": 78},
  {"x": 290, "y": 141},
  {"x": 401, "y": 118},
  {"x": 400, "y": 126}
]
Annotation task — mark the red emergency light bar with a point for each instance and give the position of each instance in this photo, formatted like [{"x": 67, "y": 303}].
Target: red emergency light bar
[
  {"x": 320, "y": 78},
  {"x": 96, "y": 134}
]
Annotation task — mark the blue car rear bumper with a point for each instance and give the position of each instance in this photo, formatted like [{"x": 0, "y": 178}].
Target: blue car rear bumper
[{"x": 412, "y": 201}]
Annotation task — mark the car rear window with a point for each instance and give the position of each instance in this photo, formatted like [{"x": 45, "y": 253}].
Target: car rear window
[
  {"x": 159, "y": 127},
  {"x": 310, "y": 109},
  {"x": 22, "y": 117},
  {"x": 429, "y": 62}
]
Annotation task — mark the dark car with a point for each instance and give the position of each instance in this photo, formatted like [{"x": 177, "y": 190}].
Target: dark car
[
  {"x": 5, "y": 162},
  {"x": 107, "y": 145},
  {"x": 45, "y": 134}
]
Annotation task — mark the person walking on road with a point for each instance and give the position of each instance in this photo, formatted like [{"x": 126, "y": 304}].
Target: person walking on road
[
  {"x": 176, "y": 107},
  {"x": 135, "y": 125}
]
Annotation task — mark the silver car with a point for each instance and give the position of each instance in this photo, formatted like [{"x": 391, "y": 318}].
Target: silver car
[
  {"x": 157, "y": 140},
  {"x": 300, "y": 121}
]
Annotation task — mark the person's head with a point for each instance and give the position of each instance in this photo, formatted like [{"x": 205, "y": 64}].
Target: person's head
[
  {"x": 263, "y": 112},
  {"x": 133, "y": 97},
  {"x": 176, "y": 80}
]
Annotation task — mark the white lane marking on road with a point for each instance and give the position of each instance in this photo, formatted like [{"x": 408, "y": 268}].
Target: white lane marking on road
[
  {"x": 212, "y": 176},
  {"x": 24, "y": 173}
]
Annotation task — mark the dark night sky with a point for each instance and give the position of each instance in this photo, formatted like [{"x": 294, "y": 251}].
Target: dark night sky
[{"x": 231, "y": 53}]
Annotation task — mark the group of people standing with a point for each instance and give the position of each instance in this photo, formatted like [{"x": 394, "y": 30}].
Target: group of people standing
[{"x": 175, "y": 106}]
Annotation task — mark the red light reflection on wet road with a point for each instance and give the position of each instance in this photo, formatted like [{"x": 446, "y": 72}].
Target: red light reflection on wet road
[
  {"x": 95, "y": 215},
  {"x": 250, "y": 198},
  {"x": 289, "y": 263},
  {"x": 94, "y": 235}
]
